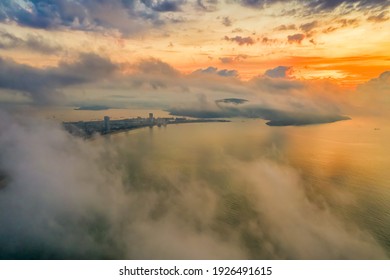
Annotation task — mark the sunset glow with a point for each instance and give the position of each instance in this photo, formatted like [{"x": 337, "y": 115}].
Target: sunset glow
[{"x": 347, "y": 43}]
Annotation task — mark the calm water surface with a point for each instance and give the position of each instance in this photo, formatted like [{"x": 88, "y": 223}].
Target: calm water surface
[{"x": 342, "y": 168}]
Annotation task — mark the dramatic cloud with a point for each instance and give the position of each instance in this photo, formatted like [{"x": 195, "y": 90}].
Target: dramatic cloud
[
  {"x": 32, "y": 42},
  {"x": 127, "y": 16},
  {"x": 320, "y": 6},
  {"x": 168, "y": 197},
  {"x": 296, "y": 38},
  {"x": 240, "y": 40},
  {"x": 132, "y": 16},
  {"x": 280, "y": 101},
  {"x": 278, "y": 72},
  {"x": 43, "y": 85},
  {"x": 155, "y": 83}
]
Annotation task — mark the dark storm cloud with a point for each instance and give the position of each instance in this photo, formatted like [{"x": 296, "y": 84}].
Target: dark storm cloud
[
  {"x": 273, "y": 96},
  {"x": 45, "y": 14},
  {"x": 296, "y": 38},
  {"x": 278, "y": 72},
  {"x": 32, "y": 42},
  {"x": 127, "y": 16},
  {"x": 240, "y": 40},
  {"x": 43, "y": 85}
]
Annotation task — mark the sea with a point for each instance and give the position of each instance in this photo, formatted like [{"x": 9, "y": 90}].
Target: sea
[{"x": 294, "y": 192}]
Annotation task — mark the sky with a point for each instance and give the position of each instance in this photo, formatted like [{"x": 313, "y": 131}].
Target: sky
[
  {"x": 150, "y": 53},
  {"x": 347, "y": 41}
]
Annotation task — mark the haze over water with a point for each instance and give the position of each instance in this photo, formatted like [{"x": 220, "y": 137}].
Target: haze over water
[
  {"x": 213, "y": 190},
  {"x": 312, "y": 186}
]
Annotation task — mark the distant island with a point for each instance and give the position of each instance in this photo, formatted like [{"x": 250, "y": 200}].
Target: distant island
[
  {"x": 308, "y": 121},
  {"x": 87, "y": 129},
  {"x": 237, "y": 108}
]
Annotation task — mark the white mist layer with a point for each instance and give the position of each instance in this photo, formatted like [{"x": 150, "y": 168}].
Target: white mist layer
[{"x": 69, "y": 198}]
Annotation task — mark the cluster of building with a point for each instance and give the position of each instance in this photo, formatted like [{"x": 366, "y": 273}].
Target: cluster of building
[{"x": 88, "y": 128}]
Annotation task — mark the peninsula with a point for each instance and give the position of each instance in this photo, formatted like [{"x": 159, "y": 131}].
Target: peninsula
[{"x": 106, "y": 126}]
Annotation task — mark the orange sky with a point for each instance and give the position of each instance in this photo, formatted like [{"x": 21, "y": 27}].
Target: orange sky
[{"x": 346, "y": 45}]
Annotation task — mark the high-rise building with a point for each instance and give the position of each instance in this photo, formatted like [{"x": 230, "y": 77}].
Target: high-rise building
[
  {"x": 106, "y": 124},
  {"x": 151, "y": 118}
]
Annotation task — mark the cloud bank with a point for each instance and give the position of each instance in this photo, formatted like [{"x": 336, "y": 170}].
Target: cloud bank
[
  {"x": 273, "y": 96},
  {"x": 44, "y": 86},
  {"x": 127, "y": 16},
  {"x": 322, "y": 6},
  {"x": 33, "y": 42}
]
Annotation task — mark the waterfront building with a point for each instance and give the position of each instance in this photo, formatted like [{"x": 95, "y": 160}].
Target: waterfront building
[
  {"x": 151, "y": 118},
  {"x": 107, "y": 124}
]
